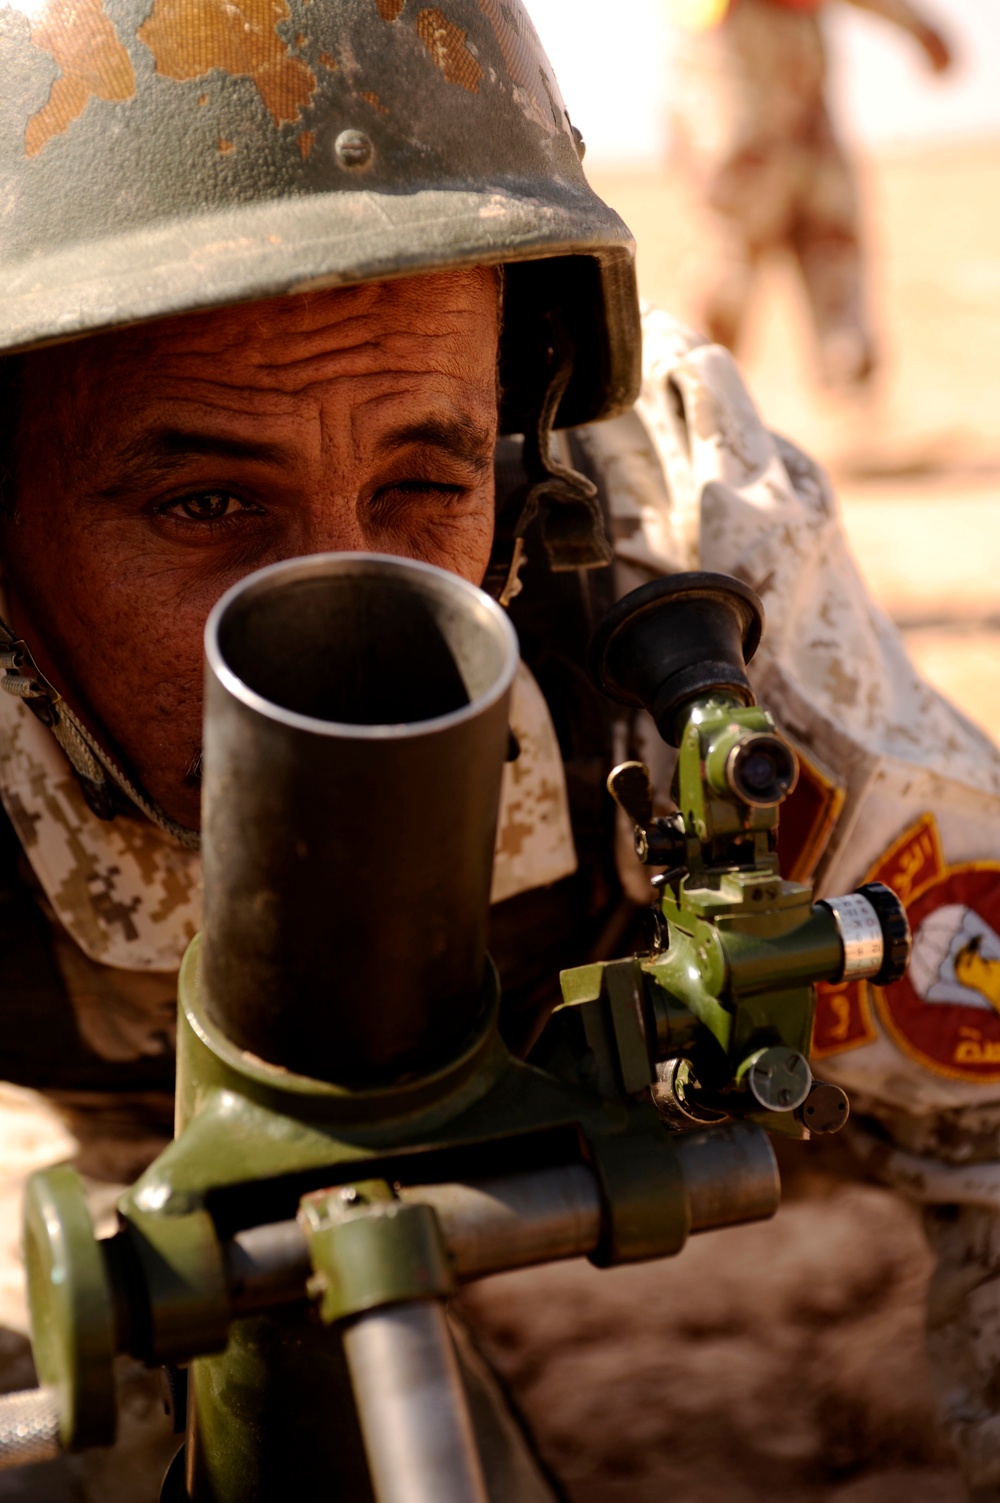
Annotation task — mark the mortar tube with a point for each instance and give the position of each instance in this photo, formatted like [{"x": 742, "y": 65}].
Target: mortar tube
[{"x": 356, "y": 725}]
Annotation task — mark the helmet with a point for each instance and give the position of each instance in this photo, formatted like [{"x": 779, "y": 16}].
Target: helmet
[{"x": 161, "y": 156}]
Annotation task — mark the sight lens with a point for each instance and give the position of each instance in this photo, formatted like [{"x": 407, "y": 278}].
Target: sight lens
[{"x": 762, "y": 770}]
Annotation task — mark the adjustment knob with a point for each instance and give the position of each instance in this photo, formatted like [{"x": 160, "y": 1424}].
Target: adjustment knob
[
  {"x": 779, "y": 1078},
  {"x": 662, "y": 842},
  {"x": 895, "y": 931},
  {"x": 825, "y": 1110},
  {"x": 874, "y": 932},
  {"x": 658, "y": 842},
  {"x": 631, "y": 789}
]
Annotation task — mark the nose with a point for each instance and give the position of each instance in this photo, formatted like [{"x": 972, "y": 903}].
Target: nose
[{"x": 328, "y": 522}]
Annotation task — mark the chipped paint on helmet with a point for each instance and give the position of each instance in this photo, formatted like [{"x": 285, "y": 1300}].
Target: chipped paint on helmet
[
  {"x": 190, "y": 38},
  {"x": 92, "y": 64},
  {"x": 448, "y": 46}
]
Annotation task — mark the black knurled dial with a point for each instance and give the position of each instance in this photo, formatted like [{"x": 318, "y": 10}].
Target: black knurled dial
[{"x": 895, "y": 928}]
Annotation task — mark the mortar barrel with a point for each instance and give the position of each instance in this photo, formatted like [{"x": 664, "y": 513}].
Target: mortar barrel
[{"x": 356, "y": 716}]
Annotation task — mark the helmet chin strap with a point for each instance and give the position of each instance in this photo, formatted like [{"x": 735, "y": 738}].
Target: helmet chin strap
[
  {"x": 572, "y": 527},
  {"x": 98, "y": 774}
]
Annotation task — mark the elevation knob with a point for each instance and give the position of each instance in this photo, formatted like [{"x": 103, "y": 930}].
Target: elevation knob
[{"x": 874, "y": 932}]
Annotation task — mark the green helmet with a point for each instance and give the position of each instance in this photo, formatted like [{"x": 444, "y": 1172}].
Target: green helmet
[{"x": 160, "y": 156}]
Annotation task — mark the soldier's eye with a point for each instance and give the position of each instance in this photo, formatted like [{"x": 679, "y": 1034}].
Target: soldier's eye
[
  {"x": 400, "y": 497},
  {"x": 208, "y": 506}
]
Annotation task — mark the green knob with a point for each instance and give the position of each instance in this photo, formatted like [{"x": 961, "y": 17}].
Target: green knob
[{"x": 72, "y": 1324}]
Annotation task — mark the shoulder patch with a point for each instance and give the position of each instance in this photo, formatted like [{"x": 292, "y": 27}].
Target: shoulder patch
[
  {"x": 945, "y": 1013},
  {"x": 843, "y": 1018},
  {"x": 808, "y": 817}
]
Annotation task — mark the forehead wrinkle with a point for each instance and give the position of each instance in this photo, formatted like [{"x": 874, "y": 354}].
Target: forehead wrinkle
[
  {"x": 366, "y": 405},
  {"x": 415, "y": 349},
  {"x": 218, "y": 406},
  {"x": 370, "y": 328},
  {"x": 339, "y": 308},
  {"x": 306, "y": 372},
  {"x": 359, "y": 360},
  {"x": 360, "y": 336},
  {"x": 394, "y": 342},
  {"x": 308, "y": 377}
]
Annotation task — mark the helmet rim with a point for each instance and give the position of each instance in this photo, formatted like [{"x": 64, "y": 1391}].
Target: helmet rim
[{"x": 280, "y": 248}]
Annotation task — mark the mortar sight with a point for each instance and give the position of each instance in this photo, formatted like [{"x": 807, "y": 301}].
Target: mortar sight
[
  {"x": 355, "y": 734},
  {"x": 675, "y": 640}
]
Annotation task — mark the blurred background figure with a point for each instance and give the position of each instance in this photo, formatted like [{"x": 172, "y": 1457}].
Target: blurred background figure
[{"x": 753, "y": 134}]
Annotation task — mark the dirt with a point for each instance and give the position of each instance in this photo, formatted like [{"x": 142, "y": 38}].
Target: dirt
[
  {"x": 786, "y": 1360},
  {"x": 783, "y": 1360}
]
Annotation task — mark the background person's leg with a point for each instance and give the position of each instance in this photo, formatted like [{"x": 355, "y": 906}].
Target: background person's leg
[{"x": 827, "y": 244}]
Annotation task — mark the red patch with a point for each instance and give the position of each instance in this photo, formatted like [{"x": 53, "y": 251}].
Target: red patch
[
  {"x": 808, "y": 817},
  {"x": 843, "y": 1018},
  {"x": 945, "y": 1013}
]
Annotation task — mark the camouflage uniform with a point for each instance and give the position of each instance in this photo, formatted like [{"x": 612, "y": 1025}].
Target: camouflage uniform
[
  {"x": 896, "y": 783},
  {"x": 754, "y": 134}
]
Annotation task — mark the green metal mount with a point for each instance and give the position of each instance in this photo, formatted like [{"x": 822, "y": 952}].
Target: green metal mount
[
  {"x": 73, "y": 1333},
  {"x": 717, "y": 822},
  {"x": 370, "y": 1250},
  {"x": 292, "y": 1220},
  {"x": 257, "y": 1145},
  {"x": 712, "y": 1024},
  {"x": 717, "y": 1020}
]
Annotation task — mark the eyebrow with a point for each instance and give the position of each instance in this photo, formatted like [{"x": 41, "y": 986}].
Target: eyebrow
[
  {"x": 156, "y": 455},
  {"x": 159, "y": 453},
  {"x": 460, "y": 436}
]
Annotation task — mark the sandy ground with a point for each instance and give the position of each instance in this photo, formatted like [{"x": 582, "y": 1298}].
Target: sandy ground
[{"x": 785, "y": 1361}]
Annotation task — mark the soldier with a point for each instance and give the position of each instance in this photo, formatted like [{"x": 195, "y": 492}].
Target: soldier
[
  {"x": 255, "y": 266},
  {"x": 754, "y": 135}
]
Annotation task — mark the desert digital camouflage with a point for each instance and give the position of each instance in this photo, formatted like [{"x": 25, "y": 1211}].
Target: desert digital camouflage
[{"x": 127, "y": 895}]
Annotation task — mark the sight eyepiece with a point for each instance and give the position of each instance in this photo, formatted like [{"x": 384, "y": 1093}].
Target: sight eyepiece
[{"x": 675, "y": 640}]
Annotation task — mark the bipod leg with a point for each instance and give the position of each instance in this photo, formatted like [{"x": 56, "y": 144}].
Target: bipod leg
[{"x": 412, "y": 1406}]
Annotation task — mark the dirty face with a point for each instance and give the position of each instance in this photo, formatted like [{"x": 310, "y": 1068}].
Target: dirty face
[{"x": 157, "y": 466}]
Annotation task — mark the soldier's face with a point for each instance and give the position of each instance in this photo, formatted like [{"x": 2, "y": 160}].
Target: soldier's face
[{"x": 157, "y": 466}]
